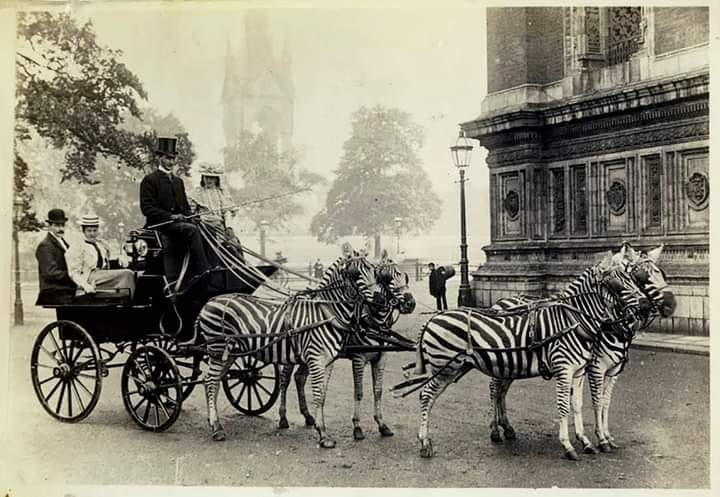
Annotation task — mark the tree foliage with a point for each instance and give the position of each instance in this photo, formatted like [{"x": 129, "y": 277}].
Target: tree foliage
[
  {"x": 380, "y": 177},
  {"x": 256, "y": 168}
]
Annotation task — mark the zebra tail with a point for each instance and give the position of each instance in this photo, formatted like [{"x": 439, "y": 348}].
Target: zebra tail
[{"x": 420, "y": 369}]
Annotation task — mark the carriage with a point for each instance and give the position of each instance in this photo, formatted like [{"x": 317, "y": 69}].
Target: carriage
[{"x": 150, "y": 337}]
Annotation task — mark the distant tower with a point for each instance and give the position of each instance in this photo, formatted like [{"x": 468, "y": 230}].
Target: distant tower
[{"x": 258, "y": 92}]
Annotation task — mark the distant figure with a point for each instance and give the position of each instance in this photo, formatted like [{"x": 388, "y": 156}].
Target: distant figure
[
  {"x": 53, "y": 273},
  {"x": 318, "y": 269},
  {"x": 437, "y": 286}
]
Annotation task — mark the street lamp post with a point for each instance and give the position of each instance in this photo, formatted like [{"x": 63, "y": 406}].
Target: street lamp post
[
  {"x": 461, "y": 153},
  {"x": 19, "y": 315},
  {"x": 398, "y": 223},
  {"x": 263, "y": 229}
]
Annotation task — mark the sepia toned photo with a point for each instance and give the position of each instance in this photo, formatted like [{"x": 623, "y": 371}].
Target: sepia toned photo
[{"x": 271, "y": 247}]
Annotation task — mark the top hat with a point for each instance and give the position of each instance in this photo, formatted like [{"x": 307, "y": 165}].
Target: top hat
[
  {"x": 166, "y": 146},
  {"x": 56, "y": 216},
  {"x": 89, "y": 220}
]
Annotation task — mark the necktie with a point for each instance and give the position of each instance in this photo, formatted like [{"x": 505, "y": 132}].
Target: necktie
[{"x": 100, "y": 260}]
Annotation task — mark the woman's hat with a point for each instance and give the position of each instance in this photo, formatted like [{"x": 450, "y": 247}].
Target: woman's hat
[
  {"x": 56, "y": 216},
  {"x": 210, "y": 169},
  {"x": 89, "y": 220}
]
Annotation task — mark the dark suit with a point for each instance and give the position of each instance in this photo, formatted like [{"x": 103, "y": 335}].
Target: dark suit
[
  {"x": 161, "y": 196},
  {"x": 437, "y": 288},
  {"x": 55, "y": 282}
]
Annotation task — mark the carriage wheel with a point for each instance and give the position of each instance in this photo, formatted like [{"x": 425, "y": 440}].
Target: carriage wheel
[
  {"x": 66, "y": 371},
  {"x": 251, "y": 386},
  {"x": 152, "y": 388},
  {"x": 188, "y": 365}
]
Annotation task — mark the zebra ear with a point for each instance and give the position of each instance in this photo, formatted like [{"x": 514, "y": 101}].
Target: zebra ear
[
  {"x": 347, "y": 249},
  {"x": 384, "y": 255},
  {"x": 654, "y": 254}
]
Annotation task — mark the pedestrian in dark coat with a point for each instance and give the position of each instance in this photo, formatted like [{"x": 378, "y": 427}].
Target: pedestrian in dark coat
[
  {"x": 163, "y": 199},
  {"x": 437, "y": 286},
  {"x": 56, "y": 286}
]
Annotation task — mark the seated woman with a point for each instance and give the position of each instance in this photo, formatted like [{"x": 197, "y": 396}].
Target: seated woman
[
  {"x": 213, "y": 204},
  {"x": 89, "y": 262}
]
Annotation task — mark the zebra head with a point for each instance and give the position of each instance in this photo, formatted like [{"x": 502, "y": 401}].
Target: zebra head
[
  {"x": 395, "y": 285},
  {"x": 621, "y": 296},
  {"x": 650, "y": 277}
]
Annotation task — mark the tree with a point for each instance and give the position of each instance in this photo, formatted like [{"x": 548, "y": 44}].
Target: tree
[
  {"x": 256, "y": 167},
  {"x": 379, "y": 178},
  {"x": 73, "y": 93}
]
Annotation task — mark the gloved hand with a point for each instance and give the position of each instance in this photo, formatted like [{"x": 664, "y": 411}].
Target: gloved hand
[{"x": 88, "y": 288}]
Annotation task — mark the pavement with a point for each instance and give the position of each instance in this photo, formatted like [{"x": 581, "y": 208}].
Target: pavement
[{"x": 658, "y": 342}]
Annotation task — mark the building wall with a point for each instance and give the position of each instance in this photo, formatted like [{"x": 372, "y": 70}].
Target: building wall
[{"x": 606, "y": 154}]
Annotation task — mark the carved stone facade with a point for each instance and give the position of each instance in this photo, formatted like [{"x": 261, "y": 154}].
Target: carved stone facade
[{"x": 615, "y": 150}]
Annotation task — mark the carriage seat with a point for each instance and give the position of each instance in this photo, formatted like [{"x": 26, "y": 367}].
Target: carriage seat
[{"x": 103, "y": 297}]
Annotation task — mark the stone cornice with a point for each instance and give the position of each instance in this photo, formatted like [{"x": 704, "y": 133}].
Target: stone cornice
[{"x": 641, "y": 95}]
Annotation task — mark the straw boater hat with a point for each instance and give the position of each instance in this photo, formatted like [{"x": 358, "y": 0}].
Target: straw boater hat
[
  {"x": 210, "y": 169},
  {"x": 89, "y": 221}
]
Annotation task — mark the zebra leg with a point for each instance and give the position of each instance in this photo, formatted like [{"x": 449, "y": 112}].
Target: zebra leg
[
  {"x": 358, "y": 370},
  {"x": 285, "y": 374},
  {"x": 562, "y": 391},
  {"x": 607, "y": 395},
  {"x": 576, "y": 393},
  {"x": 216, "y": 370},
  {"x": 319, "y": 379},
  {"x": 503, "y": 420},
  {"x": 428, "y": 395},
  {"x": 300, "y": 378},
  {"x": 596, "y": 375},
  {"x": 378, "y": 371},
  {"x": 494, "y": 406}
]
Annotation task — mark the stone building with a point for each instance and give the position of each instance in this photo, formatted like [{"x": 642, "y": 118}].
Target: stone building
[
  {"x": 596, "y": 125},
  {"x": 258, "y": 92}
]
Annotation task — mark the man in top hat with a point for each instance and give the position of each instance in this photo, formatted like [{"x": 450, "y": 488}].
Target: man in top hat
[
  {"x": 89, "y": 262},
  {"x": 55, "y": 282},
  {"x": 164, "y": 203}
]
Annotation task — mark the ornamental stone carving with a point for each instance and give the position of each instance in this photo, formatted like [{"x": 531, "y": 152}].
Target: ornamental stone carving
[
  {"x": 698, "y": 190},
  {"x": 511, "y": 203},
  {"x": 616, "y": 197}
]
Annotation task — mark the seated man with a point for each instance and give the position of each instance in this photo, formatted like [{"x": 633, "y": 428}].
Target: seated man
[
  {"x": 164, "y": 203},
  {"x": 89, "y": 262},
  {"x": 55, "y": 282}
]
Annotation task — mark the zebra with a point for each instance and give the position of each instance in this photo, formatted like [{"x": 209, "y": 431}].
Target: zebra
[
  {"x": 553, "y": 338},
  {"x": 300, "y": 330},
  {"x": 609, "y": 356},
  {"x": 394, "y": 285}
]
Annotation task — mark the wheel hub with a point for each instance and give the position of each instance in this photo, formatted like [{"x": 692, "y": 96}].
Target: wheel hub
[{"x": 62, "y": 371}]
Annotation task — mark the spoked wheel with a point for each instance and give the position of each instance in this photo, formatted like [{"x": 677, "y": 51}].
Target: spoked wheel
[
  {"x": 251, "y": 386},
  {"x": 66, "y": 371},
  {"x": 152, "y": 388},
  {"x": 188, "y": 365}
]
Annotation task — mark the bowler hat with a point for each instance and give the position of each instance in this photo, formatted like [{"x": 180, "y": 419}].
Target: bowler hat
[
  {"x": 166, "y": 146},
  {"x": 56, "y": 216}
]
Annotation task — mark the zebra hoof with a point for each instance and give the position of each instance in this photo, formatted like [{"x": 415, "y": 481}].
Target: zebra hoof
[
  {"x": 510, "y": 433},
  {"x": 385, "y": 431},
  {"x": 309, "y": 421},
  {"x": 495, "y": 437},
  {"x": 612, "y": 444},
  {"x": 572, "y": 455},
  {"x": 283, "y": 424},
  {"x": 218, "y": 435},
  {"x": 426, "y": 449},
  {"x": 358, "y": 433},
  {"x": 605, "y": 447},
  {"x": 589, "y": 449},
  {"x": 327, "y": 443}
]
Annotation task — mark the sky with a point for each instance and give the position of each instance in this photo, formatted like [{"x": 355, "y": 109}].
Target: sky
[{"x": 429, "y": 62}]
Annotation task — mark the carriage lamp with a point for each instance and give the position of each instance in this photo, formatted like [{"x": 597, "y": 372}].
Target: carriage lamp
[
  {"x": 18, "y": 211},
  {"x": 461, "y": 153}
]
